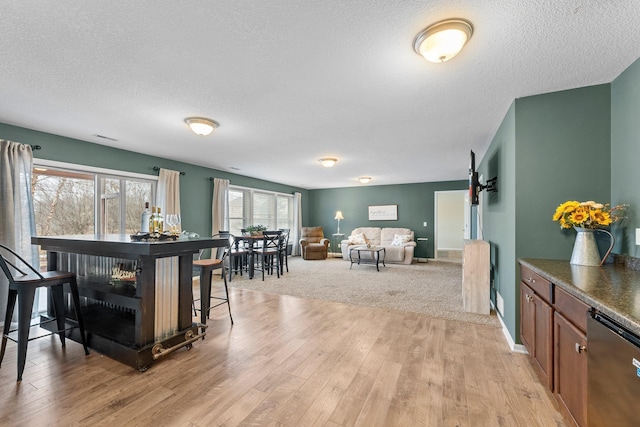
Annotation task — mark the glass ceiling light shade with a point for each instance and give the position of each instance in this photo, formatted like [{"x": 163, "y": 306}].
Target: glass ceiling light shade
[
  {"x": 364, "y": 179},
  {"x": 201, "y": 126},
  {"x": 328, "y": 162},
  {"x": 443, "y": 40}
]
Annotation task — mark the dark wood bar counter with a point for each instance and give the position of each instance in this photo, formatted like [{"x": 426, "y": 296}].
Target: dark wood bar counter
[{"x": 136, "y": 296}]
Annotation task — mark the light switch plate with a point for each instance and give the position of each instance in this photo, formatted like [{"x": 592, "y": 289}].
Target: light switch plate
[{"x": 424, "y": 224}]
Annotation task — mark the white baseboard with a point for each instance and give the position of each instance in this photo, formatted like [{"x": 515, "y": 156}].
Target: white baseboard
[{"x": 516, "y": 348}]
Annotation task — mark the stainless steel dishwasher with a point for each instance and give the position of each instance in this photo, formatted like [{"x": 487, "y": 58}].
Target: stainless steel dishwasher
[{"x": 613, "y": 381}]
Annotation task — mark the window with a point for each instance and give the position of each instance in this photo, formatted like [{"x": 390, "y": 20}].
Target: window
[
  {"x": 248, "y": 206},
  {"x": 70, "y": 200}
]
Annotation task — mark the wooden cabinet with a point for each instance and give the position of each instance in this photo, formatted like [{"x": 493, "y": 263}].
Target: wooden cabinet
[
  {"x": 570, "y": 363},
  {"x": 552, "y": 328},
  {"x": 536, "y": 332},
  {"x": 476, "y": 277},
  {"x": 570, "y": 358}
]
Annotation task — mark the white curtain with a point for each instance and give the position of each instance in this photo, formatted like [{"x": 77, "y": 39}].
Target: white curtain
[
  {"x": 220, "y": 206},
  {"x": 168, "y": 193},
  {"x": 16, "y": 207},
  {"x": 297, "y": 223}
]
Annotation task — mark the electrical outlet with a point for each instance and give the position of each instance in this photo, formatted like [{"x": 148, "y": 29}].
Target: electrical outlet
[
  {"x": 500, "y": 304},
  {"x": 424, "y": 224},
  {"x": 638, "y": 236}
]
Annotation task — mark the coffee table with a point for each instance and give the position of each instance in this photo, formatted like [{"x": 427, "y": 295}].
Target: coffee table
[{"x": 375, "y": 256}]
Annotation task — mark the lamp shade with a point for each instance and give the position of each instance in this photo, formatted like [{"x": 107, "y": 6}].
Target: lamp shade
[
  {"x": 443, "y": 40},
  {"x": 201, "y": 126},
  {"x": 339, "y": 215},
  {"x": 328, "y": 162}
]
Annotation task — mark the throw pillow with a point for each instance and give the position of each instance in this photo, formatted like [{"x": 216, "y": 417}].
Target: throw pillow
[
  {"x": 357, "y": 239},
  {"x": 400, "y": 239}
]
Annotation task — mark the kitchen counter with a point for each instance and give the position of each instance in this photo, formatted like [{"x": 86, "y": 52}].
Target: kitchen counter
[{"x": 612, "y": 289}]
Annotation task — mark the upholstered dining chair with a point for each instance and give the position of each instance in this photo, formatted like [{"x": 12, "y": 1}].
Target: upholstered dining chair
[
  {"x": 23, "y": 282},
  {"x": 313, "y": 244}
]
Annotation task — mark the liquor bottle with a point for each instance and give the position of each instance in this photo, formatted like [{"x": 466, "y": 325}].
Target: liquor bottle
[
  {"x": 144, "y": 222},
  {"x": 153, "y": 220},
  {"x": 160, "y": 222}
]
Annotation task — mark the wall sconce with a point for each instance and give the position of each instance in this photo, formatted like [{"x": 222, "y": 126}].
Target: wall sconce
[
  {"x": 339, "y": 217},
  {"x": 328, "y": 162},
  {"x": 200, "y": 125},
  {"x": 364, "y": 179},
  {"x": 443, "y": 40}
]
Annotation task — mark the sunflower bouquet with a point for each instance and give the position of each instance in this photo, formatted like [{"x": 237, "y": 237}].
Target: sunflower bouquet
[{"x": 588, "y": 214}]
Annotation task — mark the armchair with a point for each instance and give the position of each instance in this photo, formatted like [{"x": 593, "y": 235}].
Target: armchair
[{"x": 313, "y": 245}]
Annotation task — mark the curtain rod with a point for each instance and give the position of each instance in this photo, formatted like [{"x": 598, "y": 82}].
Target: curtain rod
[
  {"x": 157, "y": 169},
  {"x": 36, "y": 147}
]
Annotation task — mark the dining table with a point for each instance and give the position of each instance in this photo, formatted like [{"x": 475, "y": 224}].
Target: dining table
[{"x": 252, "y": 243}]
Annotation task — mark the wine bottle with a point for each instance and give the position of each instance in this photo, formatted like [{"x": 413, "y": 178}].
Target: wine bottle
[
  {"x": 153, "y": 220},
  {"x": 144, "y": 221},
  {"x": 160, "y": 222}
]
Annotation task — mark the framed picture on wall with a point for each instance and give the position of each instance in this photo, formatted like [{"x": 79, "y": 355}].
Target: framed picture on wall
[{"x": 383, "y": 213}]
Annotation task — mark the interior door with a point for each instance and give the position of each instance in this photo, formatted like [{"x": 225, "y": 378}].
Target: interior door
[{"x": 449, "y": 224}]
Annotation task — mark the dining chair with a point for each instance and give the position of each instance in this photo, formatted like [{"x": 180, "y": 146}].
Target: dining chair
[
  {"x": 269, "y": 252},
  {"x": 207, "y": 267},
  {"x": 23, "y": 282},
  {"x": 284, "y": 250},
  {"x": 237, "y": 257}
]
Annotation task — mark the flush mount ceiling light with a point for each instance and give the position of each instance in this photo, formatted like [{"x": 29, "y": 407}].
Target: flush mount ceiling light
[
  {"x": 364, "y": 179},
  {"x": 328, "y": 162},
  {"x": 200, "y": 125},
  {"x": 443, "y": 40}
]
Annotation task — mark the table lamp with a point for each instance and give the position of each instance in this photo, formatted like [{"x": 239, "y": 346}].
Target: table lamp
[{"x": 339, "y": 217}]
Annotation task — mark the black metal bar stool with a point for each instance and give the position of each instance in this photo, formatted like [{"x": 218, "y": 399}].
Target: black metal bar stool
[
  {"x": 23, "y": 285},
  {"x": 207, "y": 266}
]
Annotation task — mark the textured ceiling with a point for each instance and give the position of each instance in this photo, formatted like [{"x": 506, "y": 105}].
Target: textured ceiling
[{"x": 293, "y": 81}]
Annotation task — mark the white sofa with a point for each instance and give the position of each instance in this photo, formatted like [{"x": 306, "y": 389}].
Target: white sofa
[{"x": 383, "y": 237}]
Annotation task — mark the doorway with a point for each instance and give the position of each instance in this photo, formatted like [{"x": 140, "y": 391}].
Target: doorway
[{"x": 450, "y": 223}]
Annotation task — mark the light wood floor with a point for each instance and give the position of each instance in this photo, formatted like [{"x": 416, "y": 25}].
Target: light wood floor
[{"x": 289, "y": 362}]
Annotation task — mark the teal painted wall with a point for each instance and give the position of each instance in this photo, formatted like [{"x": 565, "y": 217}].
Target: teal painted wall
[
  {"x": 498, "y": 212},
  {"x": 625, "y": 154},
  {"x": 196, "y": 189},
  {"x": 561, "y": 151},
  {"x": 415, "y": 206}
]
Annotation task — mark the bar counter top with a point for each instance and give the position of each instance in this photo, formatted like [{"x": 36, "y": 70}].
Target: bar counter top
[
  {"x": 612, "y": 289},
  {"x": 122, "y": 245}
]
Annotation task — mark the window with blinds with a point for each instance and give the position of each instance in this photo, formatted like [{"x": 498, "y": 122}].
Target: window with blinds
[{"x": 248, "y": 206}]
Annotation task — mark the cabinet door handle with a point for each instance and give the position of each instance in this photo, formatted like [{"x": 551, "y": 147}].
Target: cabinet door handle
[
  {"x": 531, "y": 280},
  {"x": 580, "y": 348}
]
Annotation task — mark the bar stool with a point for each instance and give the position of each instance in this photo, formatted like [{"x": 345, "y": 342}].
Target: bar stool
[
  {"x": 23, "y": 285},
  {"x": 207, "y": 266}
]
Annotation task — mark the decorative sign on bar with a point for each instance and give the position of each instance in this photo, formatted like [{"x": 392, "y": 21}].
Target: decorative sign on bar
[{"x": 383, "y": 213}]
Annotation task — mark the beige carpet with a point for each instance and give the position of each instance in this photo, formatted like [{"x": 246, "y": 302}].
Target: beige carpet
[{"x": 433, "y": 288}]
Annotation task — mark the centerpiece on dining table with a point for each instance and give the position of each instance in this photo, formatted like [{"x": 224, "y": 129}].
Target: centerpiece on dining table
[
  {"x": 255, "y": 230},
  {"x": 587, "y": 218}
]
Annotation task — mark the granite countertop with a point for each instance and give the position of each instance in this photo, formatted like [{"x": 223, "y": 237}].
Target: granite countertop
[{"x": 612, "y": 289}]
